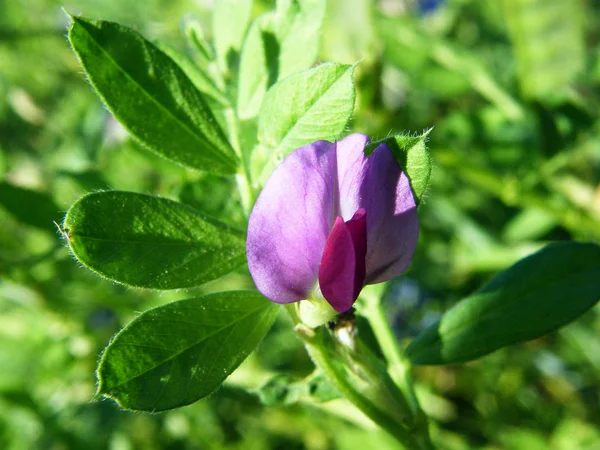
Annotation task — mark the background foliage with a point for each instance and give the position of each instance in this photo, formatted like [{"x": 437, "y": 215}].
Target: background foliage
[{"x": 513, "y": 90}]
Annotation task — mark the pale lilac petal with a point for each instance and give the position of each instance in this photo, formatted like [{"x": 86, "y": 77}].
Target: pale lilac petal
[
  {"x": 290, "y": 223},
  {"x": 351, "y": 164},
  {"x": 378, "y": 185},
  {"x": 342, "y": 270}
]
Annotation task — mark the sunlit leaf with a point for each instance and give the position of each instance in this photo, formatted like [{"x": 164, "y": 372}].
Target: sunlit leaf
[
  {"x": 412, "y": 155},
  {"x": 150, "y": 242},
  {"x": 299, "y": 33},
  {"x": 229, "y": 23},
  {"x": 278, "y": 44},
  {"x": 199, "y": 77},
  {"x": 175, "y": 354},
  {"x": 258, "y": 66},
  {"x": 302, "y": 108},
  {"x": 151, "y": 96}
]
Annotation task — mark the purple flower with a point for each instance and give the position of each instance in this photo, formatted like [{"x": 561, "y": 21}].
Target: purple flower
[{"x": 332, "y": 215}]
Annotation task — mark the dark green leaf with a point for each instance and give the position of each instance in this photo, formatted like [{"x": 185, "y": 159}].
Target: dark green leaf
[
  {"x": 29, "y": 207},
  {"x": 280, "y": 390},
  {"x": 151, "y": 96},
  {"x": 537, "y": 295},
  {"x": 200, "y": 78},
  {"x": 412, "y": 155},
  {"x": 303, "y": 108},
  {"x": 150, "y": 242},
  {"x": 178, "y": 353}
]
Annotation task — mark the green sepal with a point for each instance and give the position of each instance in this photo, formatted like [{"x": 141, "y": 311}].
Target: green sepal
[{"x": 413, "y": 157}]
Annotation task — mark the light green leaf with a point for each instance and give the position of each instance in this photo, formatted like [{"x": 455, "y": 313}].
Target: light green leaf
[
  {"x": 151, "y": 96},
  {"x": 258, "y": 66},
  {"x": 176, "y": 354},
  {"x": 197, "y": 76},
  {"x": 535, "y": 296},
  {"x": 303, "y": 108},
  {"x": 229, "y": 23},
  {"x": 299, "y": 33},
  {"x": 278, "y": 44},
  {"x": 530, "y": 223},
  {"x": 150, "y": 242},
  {"x": 412, "y": 155},
  {"x": 197, "y": 40}
]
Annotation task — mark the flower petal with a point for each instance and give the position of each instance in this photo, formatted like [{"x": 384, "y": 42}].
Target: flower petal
[
  {"x": 342, "y": 270},
  {"x": 378, "y": 185},
  {"x": 290, "y": 223}
]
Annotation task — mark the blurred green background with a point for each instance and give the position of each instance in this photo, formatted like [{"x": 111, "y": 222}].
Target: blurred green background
[{"x": 512, "y": 88}]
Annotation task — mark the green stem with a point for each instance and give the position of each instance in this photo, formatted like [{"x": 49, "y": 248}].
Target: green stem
[
  {"x": 242, "y": 178},
  {"x": 323, "y": 359},
  {"x": 363, "y": 382},
  {"x": 398, "y": 367}
]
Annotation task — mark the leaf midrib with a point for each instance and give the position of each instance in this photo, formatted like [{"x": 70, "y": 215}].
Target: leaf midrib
[
  {"x": 200, "y": 138},
  {"x": 494, "y": 311},
  {"x": 169, "y": 243},
  {"x": 176, "y": 355},
  {"x": 312, "y": 105}
]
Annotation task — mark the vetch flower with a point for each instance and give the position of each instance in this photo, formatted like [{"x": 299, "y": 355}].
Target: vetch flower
[{"x": 330, "y": 215}]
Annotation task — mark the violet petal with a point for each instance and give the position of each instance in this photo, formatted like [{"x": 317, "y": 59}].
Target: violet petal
[
  {"x": 290, "y": 223},
  {"x": 378, "y": 185}
]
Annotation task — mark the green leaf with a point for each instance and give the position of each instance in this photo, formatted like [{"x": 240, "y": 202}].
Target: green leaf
[
  {"x": 281, "y": 390},
  {"x": 176, "y": 354},
  {"x": 258, "y": 66},
  {"x": 197, "y": 76},
  {"x": 278, "y": 44},
  {"x": 535, "y": 296},
  {"x": 299, "y": 34},
  {"x": 150, "y": 242},
  {"x": 320, "y": 389},
  {"x": 413, "y": 156},
  {"x": 197, "y": 40},
  {"x": 229, "y": 23},
  {"x": 286, "y": 390},
  {"x": 30, "y": 207},
  {"x": 151, "y": 96},
  {"x": 303, "y": 108}
]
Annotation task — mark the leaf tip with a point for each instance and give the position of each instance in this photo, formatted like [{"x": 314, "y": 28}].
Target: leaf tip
[
  {"x": 64, "y": 233},
  {"x": 69, "y": 15},
  {"x": 98, "y": 395}
]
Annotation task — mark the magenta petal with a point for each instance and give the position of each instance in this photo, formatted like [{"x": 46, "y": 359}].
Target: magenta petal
[
  {"x": 342, "y": 270},
  {"x": 358, "y": 230},
  {"x": 290, "y": 223},
  {"x": 378, "y": 185}
]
